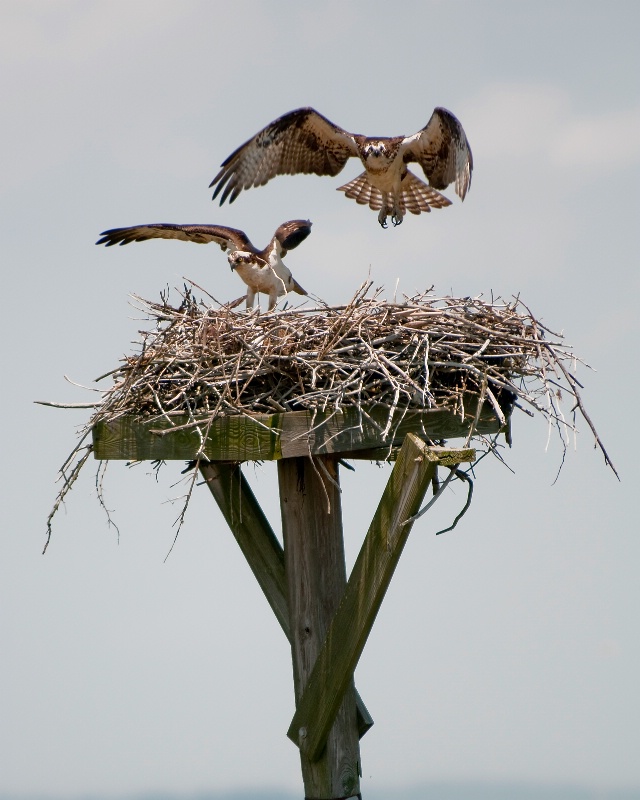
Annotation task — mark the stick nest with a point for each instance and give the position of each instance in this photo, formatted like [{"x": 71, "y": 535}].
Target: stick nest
[{"x": 423, "y": 352}]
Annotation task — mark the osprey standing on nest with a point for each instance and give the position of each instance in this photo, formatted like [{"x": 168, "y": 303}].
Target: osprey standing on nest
[
  {"x": 305, "y": 141},
  {"x": 262, "y": 270}
]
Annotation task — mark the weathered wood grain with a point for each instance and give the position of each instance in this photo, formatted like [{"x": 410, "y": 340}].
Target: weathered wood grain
[
  {"x": 260, "y": 547},
  {"x": 316, "y": 577},
  {"x": 266, "y": 437},
  {"x": 347, "y": 633},
  {"x": 252, "y": 531},
  {"x": 236, "y": 438}
]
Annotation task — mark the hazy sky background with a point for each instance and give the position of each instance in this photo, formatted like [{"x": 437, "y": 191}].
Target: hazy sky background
[{"x": 507, "y": 650}]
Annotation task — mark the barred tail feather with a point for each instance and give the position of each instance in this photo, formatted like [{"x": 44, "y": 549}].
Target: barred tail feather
[
  {"x": 360, "y": 190},
  {"x": 297, "y": 288},
  {"x": 415, "y": 197}
]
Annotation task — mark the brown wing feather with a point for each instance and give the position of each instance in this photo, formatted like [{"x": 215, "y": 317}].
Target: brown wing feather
[
  {"x": 200, "y": 234},
  {"x": 442, "y": 150},
  {"x": 302, "y": 141}
]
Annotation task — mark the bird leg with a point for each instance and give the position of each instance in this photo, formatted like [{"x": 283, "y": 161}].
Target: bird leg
[
  {"x": 396, "y": 214},
  {"x": 387, "y": 210}
]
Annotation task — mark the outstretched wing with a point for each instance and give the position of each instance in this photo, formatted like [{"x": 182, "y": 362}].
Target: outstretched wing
[
  {"x": 442, "y": 150},
  {"x": 291, "y": 233},
  {"x": 300, "y": 141},
  {"x": 228, "y": 238}
]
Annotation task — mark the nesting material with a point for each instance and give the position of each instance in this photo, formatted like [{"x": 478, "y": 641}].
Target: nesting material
[{"x": 424, "y": 352}]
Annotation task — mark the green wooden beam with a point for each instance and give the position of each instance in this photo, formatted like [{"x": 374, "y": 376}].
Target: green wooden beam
[
  {"x": 260, "y": 547},
  {"x": 252, "y": 531},
  {"x": 233, "y": 438},
  {"x": 311, "y": 511},
  {"x": 447, "y": 456},
  {"x": 267, "y": 437},
  {"x": 365, "y": 590}
]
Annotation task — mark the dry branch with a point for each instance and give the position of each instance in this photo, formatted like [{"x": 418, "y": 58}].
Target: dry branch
[{"x": 423, "y": 352}]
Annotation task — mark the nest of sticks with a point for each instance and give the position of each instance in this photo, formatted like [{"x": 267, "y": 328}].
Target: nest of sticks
[{"x": 424, "y": 352}]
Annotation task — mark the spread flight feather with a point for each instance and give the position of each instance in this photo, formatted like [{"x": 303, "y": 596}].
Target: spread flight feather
[
  {"x": 304, "y": 141},
  {"x": 262, "y": 270}
]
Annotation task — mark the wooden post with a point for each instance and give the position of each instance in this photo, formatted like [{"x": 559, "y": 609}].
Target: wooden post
[
  {"x": 260, "y": 547},
  {"x": 349, "y": 628},
  {"x": 316, "y": 578},
  {"x": 258, "y": 542},
  {"x": 326, "y": 619}
]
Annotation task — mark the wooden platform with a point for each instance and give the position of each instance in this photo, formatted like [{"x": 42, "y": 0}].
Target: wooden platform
[
  {"x": 326, "y": 615},
  {"x": 352, "y": 433}
]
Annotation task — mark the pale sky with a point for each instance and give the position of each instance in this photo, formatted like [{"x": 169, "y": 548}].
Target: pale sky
[{"x": 506, "y": 650}]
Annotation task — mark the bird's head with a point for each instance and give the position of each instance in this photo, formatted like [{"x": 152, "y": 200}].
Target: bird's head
[
  {"x": 237, "y": 258},
  {"x": 375, "y": 151}
]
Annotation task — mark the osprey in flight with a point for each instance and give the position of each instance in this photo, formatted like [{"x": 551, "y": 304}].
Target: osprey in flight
[
  {"x": 305, "y": 141},
  {"x": 262, "y": 270}
]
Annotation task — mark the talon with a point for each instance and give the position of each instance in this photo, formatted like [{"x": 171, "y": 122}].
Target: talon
[
  {"x": 396, "y": 220},
  {"x": 382, "y": 217}
]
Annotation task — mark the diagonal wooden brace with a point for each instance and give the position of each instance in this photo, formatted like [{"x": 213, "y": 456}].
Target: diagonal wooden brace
[
  {"x": 363, "y": 595},
  {"x": 259, "y": 545}
]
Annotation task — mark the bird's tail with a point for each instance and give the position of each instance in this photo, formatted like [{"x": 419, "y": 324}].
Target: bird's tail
[
  {"x": 297, "y": 288},
  {"x": 415, "y": 197}
]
